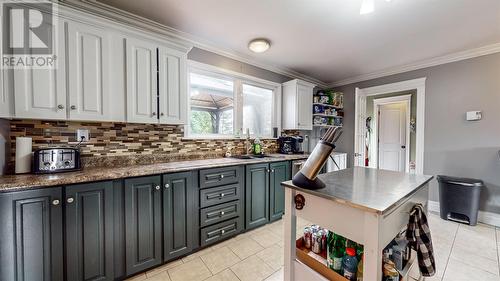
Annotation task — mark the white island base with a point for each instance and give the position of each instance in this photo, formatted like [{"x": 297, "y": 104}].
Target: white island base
[{"x": 357, "y": 213}]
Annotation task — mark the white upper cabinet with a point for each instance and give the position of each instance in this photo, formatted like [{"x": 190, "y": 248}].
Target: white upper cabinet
[
  {"x": 173, "y": 86},
  {"x": 41, "y": 93},
  {"x": 141, "y": 81},
  {"x": 297, "y": 105},
  {"x": 88, "y": 72}
]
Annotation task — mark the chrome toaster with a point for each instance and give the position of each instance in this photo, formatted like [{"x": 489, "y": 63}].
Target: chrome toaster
[{"x": 56, "y": 159}]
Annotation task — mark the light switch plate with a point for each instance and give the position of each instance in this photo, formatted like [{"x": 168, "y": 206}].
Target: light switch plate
[
  {"x": 473, "y": 115},
  {"x": 82, "y": 133}
]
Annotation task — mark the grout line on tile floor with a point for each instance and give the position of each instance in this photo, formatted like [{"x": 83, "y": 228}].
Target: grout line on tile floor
[{"x": 451, "y": 250}]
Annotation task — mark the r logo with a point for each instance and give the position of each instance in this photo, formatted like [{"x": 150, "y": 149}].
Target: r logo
[{"x": 27, "y": 28}]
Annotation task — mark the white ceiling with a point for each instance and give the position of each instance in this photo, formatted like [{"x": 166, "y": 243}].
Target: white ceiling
[{"x": 328, "y": 39}]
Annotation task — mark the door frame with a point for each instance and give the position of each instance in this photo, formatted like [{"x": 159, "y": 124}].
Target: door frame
[
  {"x": 405, "y": 99},
  {"x": 360, "y": 117}
]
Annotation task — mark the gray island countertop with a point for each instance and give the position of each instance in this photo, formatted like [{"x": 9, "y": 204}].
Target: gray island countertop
[{"x": 369, "y": 189}]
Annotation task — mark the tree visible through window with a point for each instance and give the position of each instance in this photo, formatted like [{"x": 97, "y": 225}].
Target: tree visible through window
[{"x": 212, "y": 103}]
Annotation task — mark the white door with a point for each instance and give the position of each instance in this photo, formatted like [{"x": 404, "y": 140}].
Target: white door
[
  {"x": 392, "y": 137},
  {"x": 173, "y": 86},
  {"x": 88, "y": 72},
  {"x": 304, "y": 107},
  {"x": 141, "y": 81},
  {"x": 41, "y": 93}
]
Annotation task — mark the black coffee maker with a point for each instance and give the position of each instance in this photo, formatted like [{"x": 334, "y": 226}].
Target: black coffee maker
[{"x": 291, "y": 144}]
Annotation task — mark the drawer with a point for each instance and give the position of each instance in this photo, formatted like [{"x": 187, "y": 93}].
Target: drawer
[
  {"x": 221, "y": 231},
  {"x": 218, "y": 213},
  {"x": 220, "y": 176},
  {"x": 221, "y": 194}
]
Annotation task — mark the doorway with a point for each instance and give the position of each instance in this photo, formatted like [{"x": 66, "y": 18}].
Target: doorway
[
  {"x": 363, "y": 140},
  {"x": 391, "y": 147}
]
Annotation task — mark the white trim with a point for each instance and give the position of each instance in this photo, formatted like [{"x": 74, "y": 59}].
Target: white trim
[
  {"x": 453, "y": 57},
  {"x": 360, "y": 115},
  {"x": 483, "y": 216},
  {"x": 97, "y": 8},
  {"x": 406, "y": 99}
]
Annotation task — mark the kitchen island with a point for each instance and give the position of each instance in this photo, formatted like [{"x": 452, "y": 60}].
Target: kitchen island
[{"x": 365, "y": 205}]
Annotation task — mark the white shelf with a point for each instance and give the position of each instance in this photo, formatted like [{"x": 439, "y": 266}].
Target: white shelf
[
  {"x": 325, "y": 126},
  {"x": 328, "y": 105},
  {"x": 327, "y": 115}
]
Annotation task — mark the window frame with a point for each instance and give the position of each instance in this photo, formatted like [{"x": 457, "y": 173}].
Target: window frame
[{"x": 238, "y": 80}]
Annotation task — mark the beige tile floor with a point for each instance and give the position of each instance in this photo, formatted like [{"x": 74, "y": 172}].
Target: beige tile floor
[{"x": 462, "y": 253}]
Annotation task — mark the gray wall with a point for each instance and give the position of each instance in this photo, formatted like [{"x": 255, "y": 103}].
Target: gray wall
[
  {"x": 210, "y": 58},
  {"x": 453, "y": 146},
  {"x": 4, "y": 145}
]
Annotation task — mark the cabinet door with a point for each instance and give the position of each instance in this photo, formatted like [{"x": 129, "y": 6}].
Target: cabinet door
[
  {"x": 280, "y": 172},
  {"x": 142, "y": 96},
  {"x": 257, "y": 195},
  {"x": 304, "y": 107},
  {"x": 88, "y": 72},
  {"x": 41, "y": 93},
  {"x": 178, "y": 214},
  {"x": 173, "y": 86},
  {"x": 142, "y": 223},
  {"x": 89, "y": 231},
  {"x": 31, "y": 247}
]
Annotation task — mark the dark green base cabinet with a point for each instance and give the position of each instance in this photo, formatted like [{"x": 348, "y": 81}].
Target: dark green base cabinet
[
  {"x": 143, "y": 223},
  {"x": 89, "y": 231},
  {"x": 280, "y": 172},
  {"x": 264, "y": 196},
  {"x": 31, "y": 245}
]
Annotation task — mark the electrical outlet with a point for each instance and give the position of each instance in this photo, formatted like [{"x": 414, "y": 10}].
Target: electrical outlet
[{"x": 82, "y": 135}]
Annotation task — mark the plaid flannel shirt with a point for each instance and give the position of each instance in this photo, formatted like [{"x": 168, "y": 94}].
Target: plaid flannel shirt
[{"x": 418, "y": 235}]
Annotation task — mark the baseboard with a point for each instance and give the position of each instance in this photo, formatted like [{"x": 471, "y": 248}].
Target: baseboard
[{"x": 482, "y": 216}]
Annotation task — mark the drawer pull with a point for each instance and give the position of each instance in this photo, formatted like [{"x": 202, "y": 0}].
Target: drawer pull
[
  {"x": 221, "y": 176},
  {"x": 70, "y": 200},
  {"x": 157, "y": 187},
  {"x": 222, "y": 231},
  {"x": 222, "y": 195},
  {"x": 167, "y": 185},
  {"x": 222, "y": 213},
  {"x": 55, "y": 202}
]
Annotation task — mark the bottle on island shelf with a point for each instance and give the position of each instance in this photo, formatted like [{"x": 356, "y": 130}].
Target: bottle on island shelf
[{"x": 350, "y": 264}]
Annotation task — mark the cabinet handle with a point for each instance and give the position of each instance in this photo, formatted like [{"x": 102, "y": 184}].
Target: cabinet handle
[
  {"x": 268, "y": 171},
  {"x": 222, "y": 195},
  {"x": 73, "y": 107},
  {"x": 161, "y": 114},
  {"x": 60, "y": 106},
  {"x": 55, "y": 202},
  {"x": 154, "y": 113},
  {"x": 222, "y": 231},
  {"x": 167, "y": 185},
  {"x": 272, "y": 171},
  {"x": 221, "y": 176},
  {"x": 222, "y": 213},
  {"x": 157, "y": 187},
  {"x": 70, "y": 200}
]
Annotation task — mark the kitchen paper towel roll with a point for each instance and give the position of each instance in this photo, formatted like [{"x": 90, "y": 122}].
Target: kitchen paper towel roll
[{"x": 23, "y": 155}]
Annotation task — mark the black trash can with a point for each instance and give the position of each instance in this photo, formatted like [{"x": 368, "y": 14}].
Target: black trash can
[{"x": 459, "y": 198}]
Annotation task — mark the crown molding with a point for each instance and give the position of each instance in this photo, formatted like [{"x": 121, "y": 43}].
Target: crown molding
[
  {"x": 103, "y": 10},
  {"x": 453, "y": 57}
]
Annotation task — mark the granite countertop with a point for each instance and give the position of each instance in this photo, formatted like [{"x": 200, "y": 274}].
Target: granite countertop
[
  {"x": 371, "y": 190},
  {"x": 30, "y": 181}
]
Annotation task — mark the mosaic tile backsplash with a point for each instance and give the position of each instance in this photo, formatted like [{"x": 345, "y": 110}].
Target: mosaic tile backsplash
[{"x": 125, "y": 143}]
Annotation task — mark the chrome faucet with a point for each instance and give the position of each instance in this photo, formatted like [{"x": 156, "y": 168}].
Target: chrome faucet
[{"x": 248, "y": 144}]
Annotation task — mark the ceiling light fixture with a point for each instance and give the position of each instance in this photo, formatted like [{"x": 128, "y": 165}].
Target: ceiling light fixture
[
  {"x": 367, "y": 7},
  {"x": 259, "y": 45}
]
